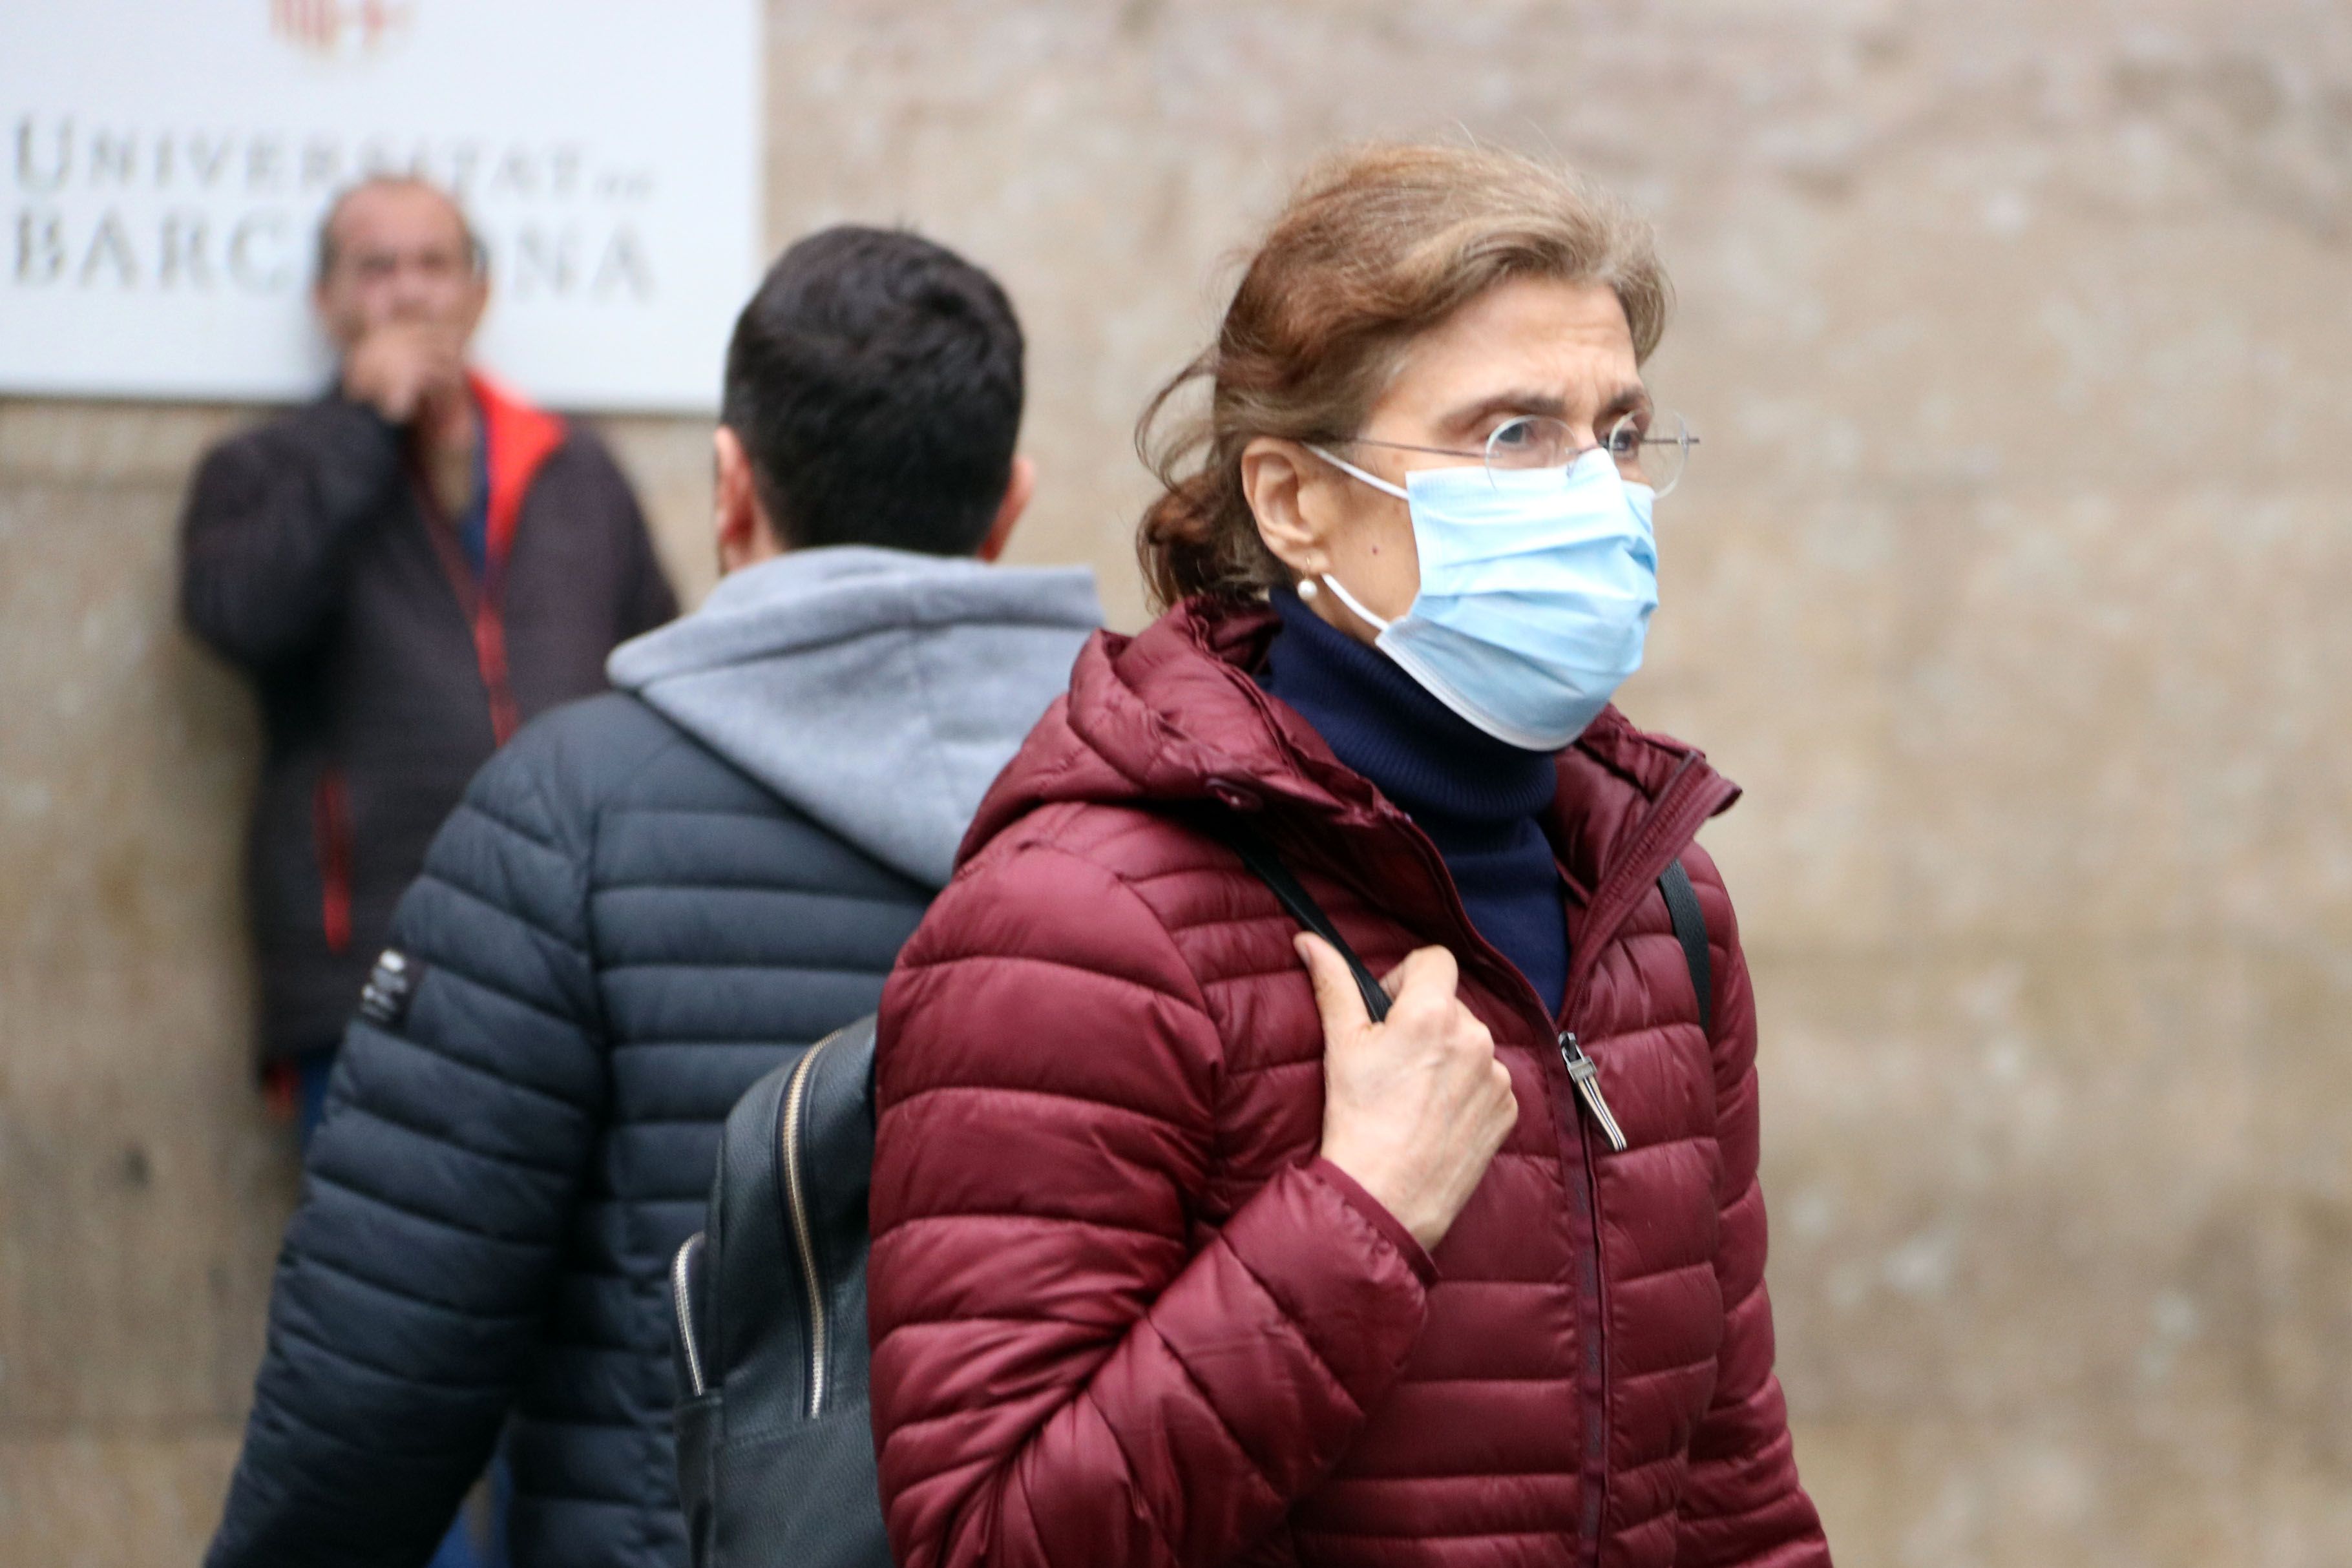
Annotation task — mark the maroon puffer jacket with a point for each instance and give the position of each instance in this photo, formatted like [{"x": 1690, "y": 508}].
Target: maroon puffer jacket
[{"x": 1122, "y": 1312}]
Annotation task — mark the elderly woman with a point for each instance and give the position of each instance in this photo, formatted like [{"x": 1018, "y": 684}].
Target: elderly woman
[{"x": 1178, "y": 1257}]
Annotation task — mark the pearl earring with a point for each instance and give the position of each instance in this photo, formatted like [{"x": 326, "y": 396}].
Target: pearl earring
[{"x": 1308, "y": 588}]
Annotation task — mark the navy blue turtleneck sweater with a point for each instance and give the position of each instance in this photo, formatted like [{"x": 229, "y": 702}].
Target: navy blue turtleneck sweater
[{"x": 1479, "y": 799}]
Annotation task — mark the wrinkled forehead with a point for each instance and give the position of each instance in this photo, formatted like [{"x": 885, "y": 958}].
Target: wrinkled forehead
[{"x": 1528, "y": 346}]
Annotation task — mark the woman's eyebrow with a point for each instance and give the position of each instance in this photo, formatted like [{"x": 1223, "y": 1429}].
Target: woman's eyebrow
[
  {"x": 1550, "y": 405},
  {"x": 1626, "y": 395}
]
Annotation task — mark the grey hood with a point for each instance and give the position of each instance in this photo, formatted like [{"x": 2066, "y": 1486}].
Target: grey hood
[{"x": 879, "y": 691}]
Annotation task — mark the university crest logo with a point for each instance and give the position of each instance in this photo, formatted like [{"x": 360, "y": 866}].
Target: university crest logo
[{"x": 340, "y": 29}]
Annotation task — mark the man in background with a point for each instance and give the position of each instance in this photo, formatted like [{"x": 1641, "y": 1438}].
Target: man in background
[
  {"x": 643, "y": 903},
  {"x": 407, "y": 569}
]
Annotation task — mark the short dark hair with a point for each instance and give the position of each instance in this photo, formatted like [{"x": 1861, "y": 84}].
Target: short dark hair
[{"x": 875, "y": 382}]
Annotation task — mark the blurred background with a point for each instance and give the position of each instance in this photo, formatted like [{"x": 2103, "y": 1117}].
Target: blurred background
[{"x": 2014, "y": 581}]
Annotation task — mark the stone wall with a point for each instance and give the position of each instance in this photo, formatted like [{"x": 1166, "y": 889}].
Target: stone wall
[{"x": 2010, "y": 582}]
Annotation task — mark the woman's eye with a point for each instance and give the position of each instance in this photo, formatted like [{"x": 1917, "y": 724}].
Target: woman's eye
[{"x": 1530, "y": 441}]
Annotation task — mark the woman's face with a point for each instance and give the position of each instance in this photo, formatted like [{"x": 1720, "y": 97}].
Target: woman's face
[{"x": 1530, "y": 346}]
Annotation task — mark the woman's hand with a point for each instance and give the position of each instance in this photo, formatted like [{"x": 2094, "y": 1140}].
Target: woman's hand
[{"x": 1414, "y": 1108}]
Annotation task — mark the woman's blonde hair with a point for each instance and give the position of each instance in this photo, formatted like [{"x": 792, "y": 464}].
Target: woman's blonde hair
[{"x": 1376, "y": 245}]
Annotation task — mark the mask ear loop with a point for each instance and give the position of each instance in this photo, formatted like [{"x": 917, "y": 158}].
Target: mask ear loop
[
  {"x": 1376, "y": 623},
  {"x": 1348, "y": 600},
  {"x": 1374, "y": 480}
]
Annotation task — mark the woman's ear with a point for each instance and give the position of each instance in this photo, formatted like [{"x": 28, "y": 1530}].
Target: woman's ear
[{"x": 1287, "y": 495}]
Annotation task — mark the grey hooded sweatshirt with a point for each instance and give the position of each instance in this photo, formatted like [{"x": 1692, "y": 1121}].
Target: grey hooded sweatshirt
[
  {"x": 879, "y": 691},
  {"x": 646, "y": 899}
]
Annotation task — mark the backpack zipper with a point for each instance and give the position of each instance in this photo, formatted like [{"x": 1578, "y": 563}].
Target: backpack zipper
[
  {"x": 682, "y": 1304},
  {"x": 796, "y": 1201}
]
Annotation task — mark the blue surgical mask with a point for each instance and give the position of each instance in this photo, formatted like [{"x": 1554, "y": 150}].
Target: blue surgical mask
[{"x": 1535, "y": 592}]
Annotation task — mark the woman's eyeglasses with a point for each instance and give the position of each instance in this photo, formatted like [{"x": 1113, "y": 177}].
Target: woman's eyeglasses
[{"x": 1651, "y": 447}]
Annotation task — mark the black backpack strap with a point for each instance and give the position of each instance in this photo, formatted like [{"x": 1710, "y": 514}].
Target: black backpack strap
[
  {"x": 1690, "y": 930},
  {"x": 1258, "y": 854}
]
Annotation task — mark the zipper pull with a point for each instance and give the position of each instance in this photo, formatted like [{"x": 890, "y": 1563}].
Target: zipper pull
[{"x": 1586, "y": 1075}]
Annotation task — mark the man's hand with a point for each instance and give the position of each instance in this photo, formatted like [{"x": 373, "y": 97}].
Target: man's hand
[
  {"x": 1414, "y": 1108},
  {"x": 398, "y": 368}
]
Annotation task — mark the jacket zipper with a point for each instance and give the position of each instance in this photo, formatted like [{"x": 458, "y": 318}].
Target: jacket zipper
[
  {"x": 682, "y": 1304},
  {"x": 796, "y": 1202},
  {"x": 1663, "y": 819},
  {"x": 1584, "y": 1076},
  {"x": 1591, "y": 1315}
]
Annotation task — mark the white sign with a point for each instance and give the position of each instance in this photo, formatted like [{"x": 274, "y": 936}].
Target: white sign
[{"x": 167, "y": 163}]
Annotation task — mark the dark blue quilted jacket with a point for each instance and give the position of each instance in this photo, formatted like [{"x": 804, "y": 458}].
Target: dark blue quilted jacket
[{"x": 642, "y": 901}]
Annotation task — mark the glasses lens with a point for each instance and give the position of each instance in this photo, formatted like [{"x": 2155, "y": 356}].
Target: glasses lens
[
  {"x": 1530, "y": 442},
  {"x": 1651, "y": 448}
]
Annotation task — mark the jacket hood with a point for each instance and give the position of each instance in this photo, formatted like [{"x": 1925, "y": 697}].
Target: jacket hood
[
  {"x": 879, "y": 691},
  {"x": 1172, "y": 715}
]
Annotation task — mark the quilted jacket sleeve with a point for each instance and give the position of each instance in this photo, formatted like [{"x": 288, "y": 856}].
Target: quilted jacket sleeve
[
  {"x": 1743, "y": 1504},
  {"x": 270, "y": 521},
  {"x": 435, "y": 1199},
  {"x": 1069, "y": 1368}
]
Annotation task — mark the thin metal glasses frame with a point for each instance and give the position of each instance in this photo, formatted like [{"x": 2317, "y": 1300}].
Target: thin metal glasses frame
[{"x": 1683, "y": 442}]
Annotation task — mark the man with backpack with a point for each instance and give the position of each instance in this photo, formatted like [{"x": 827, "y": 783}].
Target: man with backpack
[{"x": 646, "y": 901}]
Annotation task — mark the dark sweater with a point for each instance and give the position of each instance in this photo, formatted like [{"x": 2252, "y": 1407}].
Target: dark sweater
[
  {"x": 1479, "y": 799},
  {"x": 307, "y": 560}
]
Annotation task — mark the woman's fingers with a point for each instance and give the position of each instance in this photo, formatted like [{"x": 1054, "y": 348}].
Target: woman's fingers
[
  {"x": 1427, "y": 971},
  {"x": 1422, "y": 985},
  {"x": 1336, "y": 997},
  {"x": 1415, "y": 1106}
]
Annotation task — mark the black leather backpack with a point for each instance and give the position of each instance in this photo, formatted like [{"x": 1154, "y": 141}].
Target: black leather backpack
[
  {"x": 775, "y": 1445},
  {"x": 775, "y": 1442}
]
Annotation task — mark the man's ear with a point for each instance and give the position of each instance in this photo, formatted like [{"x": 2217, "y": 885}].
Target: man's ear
[
  {"x": 1284, "y": 487},
  {"x": 1018, "y": 488},
  {"x": 481, "y": 301},
  {"x": 739, "y": 526}
]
